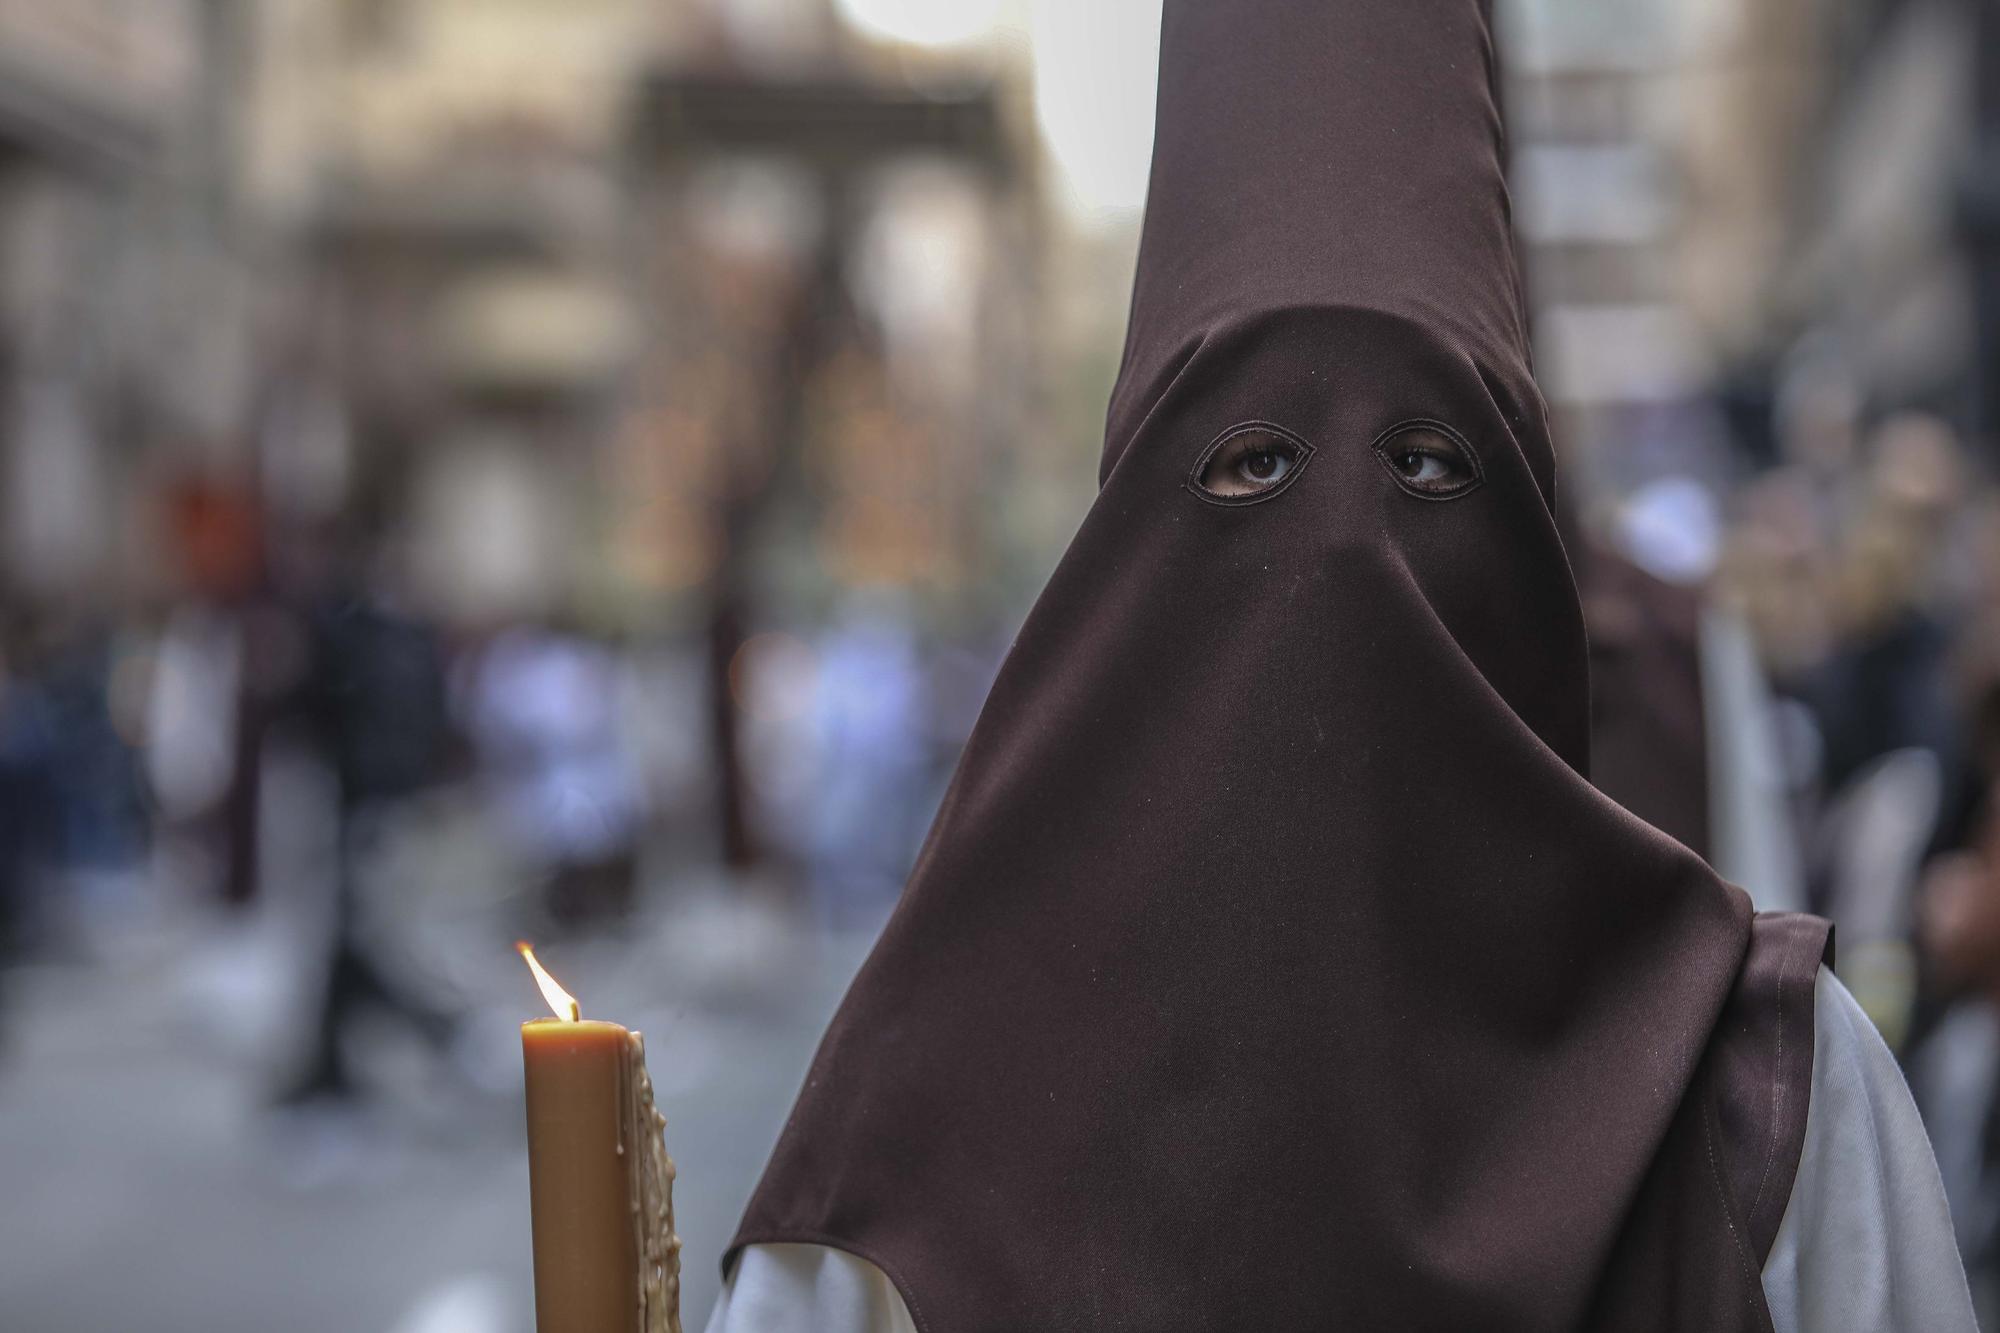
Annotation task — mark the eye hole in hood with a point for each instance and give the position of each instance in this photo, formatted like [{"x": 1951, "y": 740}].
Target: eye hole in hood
[
  {"x": 1429, "y": 459},
  {"x": 1248, "y": 463}
]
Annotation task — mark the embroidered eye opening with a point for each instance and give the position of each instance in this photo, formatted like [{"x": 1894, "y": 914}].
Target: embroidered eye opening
[
  {"x": 1429, "y": 459},
  {"x": 1248, "y": 463}
]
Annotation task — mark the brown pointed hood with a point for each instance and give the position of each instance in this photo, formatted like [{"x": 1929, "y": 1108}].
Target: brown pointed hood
[{"x": 1272, "y": 963}]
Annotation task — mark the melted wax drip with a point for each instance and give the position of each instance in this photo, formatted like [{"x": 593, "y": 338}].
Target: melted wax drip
[{"x": 653, "y": 1202}]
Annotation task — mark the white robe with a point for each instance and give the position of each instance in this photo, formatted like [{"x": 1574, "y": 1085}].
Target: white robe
[{"x": 1865, "y": 1246}]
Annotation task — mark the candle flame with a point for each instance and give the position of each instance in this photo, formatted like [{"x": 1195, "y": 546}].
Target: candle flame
[{"x": 560, "y": 1000}]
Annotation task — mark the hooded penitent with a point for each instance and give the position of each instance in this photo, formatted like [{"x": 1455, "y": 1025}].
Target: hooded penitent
[{"x": 1272, "y": 962}]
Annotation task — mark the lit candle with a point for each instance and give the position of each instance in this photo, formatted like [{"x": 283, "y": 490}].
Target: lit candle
[{"x": 600, "y": 1183}]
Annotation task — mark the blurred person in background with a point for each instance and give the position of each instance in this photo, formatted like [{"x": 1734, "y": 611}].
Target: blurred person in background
[
  {"x": 204, "y": 710},
  {"x": 100, "y": 814},
  {"x": 70, "y": 782},
  {"x": 1882, "y": 706},
  {"x": 868, "y": 806},
  {"x": 547, "y": 707},
  {"x": 1648, "y": 749},
  {"x": 1954, "y": 1060},
  {"x": 1954, "y": 1041},
  {"x": 73, "y": 810},
  {"x": 28, "y": 799},
  {"x": 1819, "y": 426},
  {"x": 1683, "y": 732},
  {"x": 1883, "y": 687},
  {"x": 1774, "y": 572},
  {"x": 367, "y": 699}
]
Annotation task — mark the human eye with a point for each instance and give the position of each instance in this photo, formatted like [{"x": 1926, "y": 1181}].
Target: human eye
[
  {"x": 1248, "y": 463},
  {"x": 1428, "y": 462}
]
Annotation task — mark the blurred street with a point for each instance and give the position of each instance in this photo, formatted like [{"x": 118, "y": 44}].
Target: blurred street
[{"x": 146, "y": 1182}]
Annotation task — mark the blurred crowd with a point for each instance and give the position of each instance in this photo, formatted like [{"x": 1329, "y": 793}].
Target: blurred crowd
[
  {"x": 135, "y": 759},
  {"x": 1865, "y": 566}
]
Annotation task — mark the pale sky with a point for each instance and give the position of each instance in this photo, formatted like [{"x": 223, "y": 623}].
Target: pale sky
[{"x": 1095, "y": 67}]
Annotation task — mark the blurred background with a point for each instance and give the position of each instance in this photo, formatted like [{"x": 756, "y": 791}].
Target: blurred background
[{"x": 473, "y": 469}]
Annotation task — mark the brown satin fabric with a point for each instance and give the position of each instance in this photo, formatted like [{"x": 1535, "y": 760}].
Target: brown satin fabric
[
  {"x": 1692, "y": 1254},
  {"x": 1272, "y": 963}
]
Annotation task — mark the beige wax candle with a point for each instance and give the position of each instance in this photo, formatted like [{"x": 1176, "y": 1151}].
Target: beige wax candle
[{"x": 600, "y": 1182}]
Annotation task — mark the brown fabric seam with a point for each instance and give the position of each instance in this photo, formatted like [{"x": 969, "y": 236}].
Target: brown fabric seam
[
  {"x": 1739, "y": 1243},
  {"x": 1778, "y": 1084}
]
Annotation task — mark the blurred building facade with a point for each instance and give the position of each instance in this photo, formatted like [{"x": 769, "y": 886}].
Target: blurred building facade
[
  {"x": 682, "y": 320},
  {"x": 437, "y": 250},
  {"x": 1729, "y": 208},
  {"x": 91, "y": 165}
]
